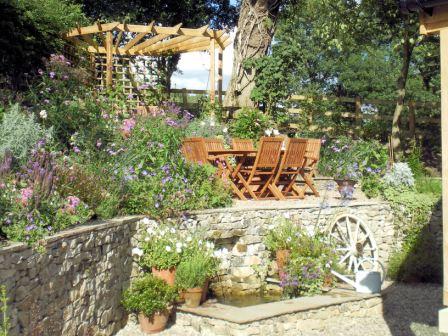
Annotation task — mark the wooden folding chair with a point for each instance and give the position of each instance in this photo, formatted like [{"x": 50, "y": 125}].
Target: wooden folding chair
[
  {"x": 308, "y": 172},
  {"x": 242, "y": 144},
  {"x": 290, "y": 167},
  {"x": 194, "y": 150},
  {"x": 218, "y": 144},
  {"x": 264, "y": 167}
]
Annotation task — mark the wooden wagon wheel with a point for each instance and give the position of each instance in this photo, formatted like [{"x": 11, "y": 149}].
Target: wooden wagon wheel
[{"x": 354, "y": 242}]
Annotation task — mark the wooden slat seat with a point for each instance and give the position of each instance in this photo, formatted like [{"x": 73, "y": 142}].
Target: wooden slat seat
[
  {"x": 194, "y": 150},
  {"x": 308, "y": 172}
]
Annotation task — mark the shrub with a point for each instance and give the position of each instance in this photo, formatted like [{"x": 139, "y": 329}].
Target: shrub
[
  {"x": 249, "y": 123},
  {"x": 5, "y": 324},
  {"x": 344, "y": 157},
  {"x": 157, "y": 179},
  {"x": 400, "y": 176},
  {"x": 148, "y": 295},
  {"x": 92, "y": 184},
  {"x": 192, "y": 272},
  {"x": 19, "y": 133},
  {"x": 162, "y": 248},
  {"x": 414, "y": 160},
  {"x": 282, "y": 235},
  {"x": 31, "y": 206},
  {"x": 309, "y": 265}
]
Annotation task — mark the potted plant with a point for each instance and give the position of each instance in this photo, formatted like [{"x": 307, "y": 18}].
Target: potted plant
[
  {"x": 281, "y": 239},
  {"x": 151, "y": 298},
  {"x": 192, "y": 274},
  {"x": 162, "y": 252}
]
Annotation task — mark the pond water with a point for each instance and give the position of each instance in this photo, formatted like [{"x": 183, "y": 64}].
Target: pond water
[{"x": 248, "y": 300}]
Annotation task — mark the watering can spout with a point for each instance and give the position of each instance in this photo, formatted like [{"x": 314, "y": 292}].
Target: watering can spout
[{"x": 344, "y": 278}]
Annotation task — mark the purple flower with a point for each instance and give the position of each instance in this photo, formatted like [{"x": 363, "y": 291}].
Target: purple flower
[
  {"x": 52, "y": 74},
  {"x": 76, "y": 149},
  {"x": 157, "y": 205},
  {"x": 40, "y": 72},
  {"x": 30, "y": 227}
]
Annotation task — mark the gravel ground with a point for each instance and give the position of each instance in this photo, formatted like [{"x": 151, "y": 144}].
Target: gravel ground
[{"x": 409, "y": 310}]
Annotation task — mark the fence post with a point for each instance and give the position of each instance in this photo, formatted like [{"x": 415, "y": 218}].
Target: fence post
[
  {"x": 358, "y": 120},
  {"x": 184, "y": 97},
  {"x": 411, "y": 119}
]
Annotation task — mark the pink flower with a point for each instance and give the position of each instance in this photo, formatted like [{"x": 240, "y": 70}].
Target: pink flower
[
  {"x": 73, "y": 203},
  {"x": 26, "y": 194}
]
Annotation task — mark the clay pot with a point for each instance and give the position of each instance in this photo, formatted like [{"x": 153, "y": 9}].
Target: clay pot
[
  {"x": 205, "y": 291},
  {"x": 155, "y": 323},
  {"x": 282, "y": 258},
  {"x": 168, "y": 275},
  {"x": 346, "y": 187},
  {"x": 193, "y": 297}
]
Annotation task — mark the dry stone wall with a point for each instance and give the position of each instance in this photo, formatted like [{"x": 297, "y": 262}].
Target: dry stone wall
[{"x": 74, "y": 287}]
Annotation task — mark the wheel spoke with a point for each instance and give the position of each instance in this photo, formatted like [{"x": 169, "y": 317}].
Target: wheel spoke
[
  {"x": 349, "y": 230},
  {"x": 342, "y": 235},
  {"x": 344, "y": 257},
  {"x": 355, "y": 240}
]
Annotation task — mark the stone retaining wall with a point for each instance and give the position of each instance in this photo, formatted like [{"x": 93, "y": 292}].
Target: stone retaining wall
[
  {"x": 242, "y": 230},
  {"x": 74, "y": 287},
  {"x": 311, "y": 322}
]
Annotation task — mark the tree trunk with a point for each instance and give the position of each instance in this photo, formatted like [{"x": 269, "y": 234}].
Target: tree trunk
[
  {"x": 255, "y": 29},
  {"x": 407, "y": 49}
]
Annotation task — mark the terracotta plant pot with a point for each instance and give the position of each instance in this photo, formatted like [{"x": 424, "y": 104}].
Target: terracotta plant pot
[
  {"x": 193, "y": 297},
  {"x": 205, "y": 291},
  {"x": 168, "y": 275},
  {"x": 154, "y": 324},
  {"x": 346, "y": 187},
  {"x": 181, "y": 298},
  {"x": 282, "y": 258}
]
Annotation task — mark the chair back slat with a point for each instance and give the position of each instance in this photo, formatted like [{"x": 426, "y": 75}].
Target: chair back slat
[
  {"x": 294, "y": 156},
  {"x": 194, "y": 150},
  {"x": 269, "y": 152},
  {"x": 313, "y": 149},
  {"x": 242, "y": 144},
  {"x": 214, "y": 144}
]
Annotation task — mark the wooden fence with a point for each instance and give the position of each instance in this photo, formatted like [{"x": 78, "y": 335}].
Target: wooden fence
[{"x": 354, "y": 110}]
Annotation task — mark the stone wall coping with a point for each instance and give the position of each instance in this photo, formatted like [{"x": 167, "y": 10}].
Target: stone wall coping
[
  {"x": 91, "y": 226},
  {"x": 290, "y": 206},
  {"x": 244, "y": 315}
]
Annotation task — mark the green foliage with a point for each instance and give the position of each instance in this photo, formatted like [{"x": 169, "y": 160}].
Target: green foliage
[
  {"x": 162, "y": 248},
  {"x": 414, "y": 161},
  {"x": 192, "y": 272},
  {"x": 249, "y": 123},
  {"x": 344, "y": 157},
  {"x": 148, "y": 295},
  {"x": 5, "y": 324},
  {"x": 19, "y": 133},
  {"x": 372, "y": 185},
  {"x": 282, "y": 235},
  {"x": 79, "y": 117},
  {"x": 416, "y": 260},
  {"x": 428, "y": 185},
  {"x": 31, "y": 30},
  {"x": 157, "y": 179},
  {"x": 310, "y": 262}
]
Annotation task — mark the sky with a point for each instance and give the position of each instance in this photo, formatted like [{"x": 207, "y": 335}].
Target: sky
[{"x": 194, "y": 69}]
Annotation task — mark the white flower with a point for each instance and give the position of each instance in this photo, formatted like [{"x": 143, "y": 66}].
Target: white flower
[
  {"x": 136, "y": 251},
  {"x": 288, "y": 239},
  {"x": 168, "y": 248},
  {"x": 275, "y": 132},
  {"x": 173, "y": 230},
  {"x": 287, "y": 215},
  {"x": 221, "y": 254},
  {"x": 146, "y": 221},
  {"x": 225, "y": 130},
  {"x": 178, "y": 250},
  {"x": 212, "y": 123},
  {"x": 202, "y": 123},
  {"x": 271, "y": 227},
  {"x": 43, "y": 114},
  {"x": 147, "y": 239},
  {"x": 200, "y": 242},
  {"x": 178, "y": 245},
  {"x": 189, "y": 239},
  {"x": 268, "y": 132}
]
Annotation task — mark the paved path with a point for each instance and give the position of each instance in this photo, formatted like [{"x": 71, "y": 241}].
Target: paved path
[{"x": 409, "y": 310}]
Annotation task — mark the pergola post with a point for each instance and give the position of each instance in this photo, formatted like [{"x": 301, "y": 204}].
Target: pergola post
[
  {"x": 220, "y": 65},
  {"x": 212, "y": 70},
  {"x": 109, "y": 59}
]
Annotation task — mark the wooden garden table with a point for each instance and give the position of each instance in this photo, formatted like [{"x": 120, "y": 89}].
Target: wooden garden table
[{"x": 229, "y": 173}]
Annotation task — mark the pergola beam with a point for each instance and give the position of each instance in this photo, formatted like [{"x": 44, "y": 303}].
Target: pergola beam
[
  {"x": 138, "y": 37},
  {"x": 149, "y": 42}
]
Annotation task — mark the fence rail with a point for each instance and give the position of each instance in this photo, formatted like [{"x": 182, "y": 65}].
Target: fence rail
[{"x": 189, "y": 98}]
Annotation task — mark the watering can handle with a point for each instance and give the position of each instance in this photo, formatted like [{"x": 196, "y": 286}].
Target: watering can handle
[{"x": 374, "y": 265}]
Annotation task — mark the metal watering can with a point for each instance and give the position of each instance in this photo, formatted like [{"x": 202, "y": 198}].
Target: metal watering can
[{"x": 367, "y": 282}]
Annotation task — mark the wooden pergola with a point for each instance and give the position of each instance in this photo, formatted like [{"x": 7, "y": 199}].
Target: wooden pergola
[
  {"x": 434, "y": 20},
  {"x": 117, "y": 39}
]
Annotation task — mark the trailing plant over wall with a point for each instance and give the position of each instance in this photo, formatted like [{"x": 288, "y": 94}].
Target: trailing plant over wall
[{"x": 4, "y": 325}]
